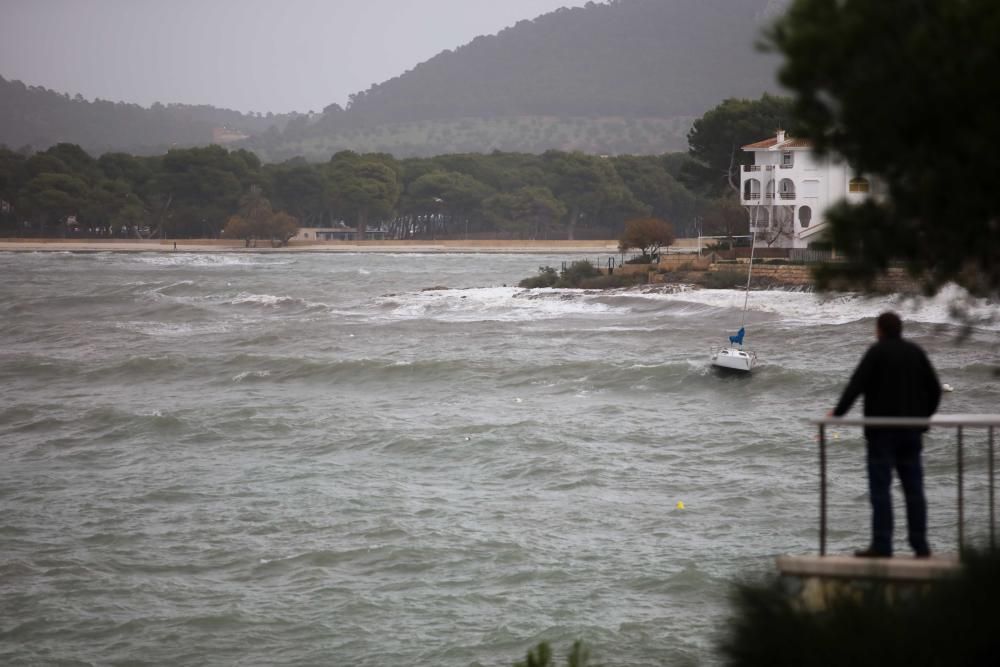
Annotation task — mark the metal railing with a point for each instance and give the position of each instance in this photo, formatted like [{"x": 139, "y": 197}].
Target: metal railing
[
  {"x": 787, "y": 195},
  {"x": 958, "y": 421}
]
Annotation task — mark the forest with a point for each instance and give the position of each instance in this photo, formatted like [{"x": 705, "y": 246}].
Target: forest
[
  {"x": 623, "y": 77},
  {"x": 193, "y": 192},
  {"x": 34, "y": 117}
]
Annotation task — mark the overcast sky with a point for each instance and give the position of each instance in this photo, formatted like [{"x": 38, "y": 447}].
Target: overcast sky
[{"x": 250, "y": 55}]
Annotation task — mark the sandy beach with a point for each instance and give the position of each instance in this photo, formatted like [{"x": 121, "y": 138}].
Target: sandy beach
[{"x": 213, "y": 245}]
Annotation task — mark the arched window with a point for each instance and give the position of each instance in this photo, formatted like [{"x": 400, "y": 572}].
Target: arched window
[
  {"x": 859, "y": 185},
  {"x": 751, "y": 189},
  {"x": 805, "y": 216},
  {"x": 786, "y": 189}
]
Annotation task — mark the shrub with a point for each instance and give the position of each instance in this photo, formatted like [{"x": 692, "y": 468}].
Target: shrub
[
  {"x": 547, "y": 277},
  {"x": 541, "y": 656},
  {"x": 952, "y": 622},
  {"x": 641, "y": 259},
  {"x": 576, "y": 273}
]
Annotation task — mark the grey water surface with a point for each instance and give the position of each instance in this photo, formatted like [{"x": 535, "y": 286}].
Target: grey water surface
[{"x": 308, "y": 459}]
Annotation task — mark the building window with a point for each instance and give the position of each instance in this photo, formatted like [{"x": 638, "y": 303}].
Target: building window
[
  {"x": 859, "y": 185},
  {"x": 805, "y": 216},
  {"x": 751, "y": 189},
  {"x": 786, "y": 189},
  {"x": 787, "y": 159}
]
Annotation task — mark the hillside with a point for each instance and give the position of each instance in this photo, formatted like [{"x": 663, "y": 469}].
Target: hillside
[
  {"x": 628, "y": 76},
  {"x": 36, "y": 116},
  {"x": 635, "y": 64}
]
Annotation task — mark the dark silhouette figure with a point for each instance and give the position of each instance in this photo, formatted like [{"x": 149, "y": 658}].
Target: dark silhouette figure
[{"x": 897, "y": 380}]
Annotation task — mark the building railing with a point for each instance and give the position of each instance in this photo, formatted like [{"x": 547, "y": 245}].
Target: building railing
[
  {"x": 787, "y": 195},
  {"x": 787, "y": 166},
  {"x": 751, "y": 167},
  {"x": 751, "y": 195},
  {"x": 960, "y": 422}
]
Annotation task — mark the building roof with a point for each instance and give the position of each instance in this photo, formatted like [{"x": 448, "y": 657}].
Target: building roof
[{"x": 773, "y": 144}]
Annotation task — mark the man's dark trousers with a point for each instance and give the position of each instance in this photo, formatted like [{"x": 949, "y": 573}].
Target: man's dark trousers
[{"x": 899, "y": 449}]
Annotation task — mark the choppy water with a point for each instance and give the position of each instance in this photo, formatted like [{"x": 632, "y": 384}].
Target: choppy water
[{"x": 308, "y": 460}]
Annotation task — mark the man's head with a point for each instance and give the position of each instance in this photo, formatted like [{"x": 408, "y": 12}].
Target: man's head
[{"x": 888, "y": 326}]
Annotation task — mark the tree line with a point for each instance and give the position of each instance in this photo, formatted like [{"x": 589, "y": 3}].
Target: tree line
[{"x": 193, "y": 192}]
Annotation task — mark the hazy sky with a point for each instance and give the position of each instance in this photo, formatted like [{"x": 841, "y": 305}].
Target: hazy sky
[{"x": 250, "y": 55}]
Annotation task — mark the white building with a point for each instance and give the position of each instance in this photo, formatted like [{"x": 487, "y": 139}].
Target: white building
[{"x": 788, "y": 189}]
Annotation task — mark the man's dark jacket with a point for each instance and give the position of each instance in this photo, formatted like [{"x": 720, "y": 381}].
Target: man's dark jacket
[{"x": 897, "y": 380}]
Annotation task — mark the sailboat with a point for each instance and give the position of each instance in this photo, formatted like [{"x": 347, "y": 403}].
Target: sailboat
[{"x": 733, "y": 358}]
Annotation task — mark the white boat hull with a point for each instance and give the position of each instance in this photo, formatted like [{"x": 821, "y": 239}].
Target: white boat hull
[{"x": 734, "y": 359}]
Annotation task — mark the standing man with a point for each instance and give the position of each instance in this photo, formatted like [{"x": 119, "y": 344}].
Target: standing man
[{"x": 897, "y": 380}]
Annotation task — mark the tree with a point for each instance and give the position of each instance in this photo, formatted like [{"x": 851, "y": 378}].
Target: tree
[
  {"x": 717, "y": 137},
  {"x": 50, "y": 198},
  {"x": 646, "y": 234},
  {"x": 362, "y": 188},
  {"x": 529, "y": 212},
  {"x": 647, "y": 178},
  {"x": 454, "y": 196},
  {"x": 906, "y": 92},
  {"x": 300, "y": 190},
  {"x": 588, "y": 186},
  {"x": 282, "y": 227},
  {"x": 724, "y": 218}
]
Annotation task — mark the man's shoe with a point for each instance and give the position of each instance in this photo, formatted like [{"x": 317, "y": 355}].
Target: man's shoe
[
  {"x": 924, "y": 553},
  {"x": 871, "y": 553}
]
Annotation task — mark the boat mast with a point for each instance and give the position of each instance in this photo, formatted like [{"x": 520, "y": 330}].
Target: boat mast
[{"x": 753, "y": 243}]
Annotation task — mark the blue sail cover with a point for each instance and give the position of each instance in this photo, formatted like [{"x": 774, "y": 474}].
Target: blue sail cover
[{"x": 738, "y": 338}]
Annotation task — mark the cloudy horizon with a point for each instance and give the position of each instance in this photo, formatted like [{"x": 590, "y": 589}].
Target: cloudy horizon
[{"x": 248, "y": 55}]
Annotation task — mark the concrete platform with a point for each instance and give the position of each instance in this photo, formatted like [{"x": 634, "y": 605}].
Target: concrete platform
[{"x": 896, "y": 569}]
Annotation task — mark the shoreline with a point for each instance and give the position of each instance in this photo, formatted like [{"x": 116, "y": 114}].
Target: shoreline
[{"x": 214, "y": 246}]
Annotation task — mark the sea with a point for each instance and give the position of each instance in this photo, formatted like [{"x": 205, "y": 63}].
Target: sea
[{"x": 405, "y": 459}]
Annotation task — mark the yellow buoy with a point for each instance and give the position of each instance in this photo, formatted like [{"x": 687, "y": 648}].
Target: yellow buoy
[{"x": 680, "y": 504}]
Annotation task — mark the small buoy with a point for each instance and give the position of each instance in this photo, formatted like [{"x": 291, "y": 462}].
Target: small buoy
[
  {"x": 517, "y": 400},
  {"x": 680, "y": 504},
  {"x": 947, "y": 387}
]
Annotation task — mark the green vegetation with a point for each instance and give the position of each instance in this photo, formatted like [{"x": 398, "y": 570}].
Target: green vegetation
[
  {"x": 579, "y": 275},
  {"x": 38, "y": 117},
  {"x": 519, "y": 134},
  {"x": 193, "y": 192},
  {"x": 541, "y": 656},
  {"x": 906, "y": 92},
  {"x": 953, "y": 622},
  {"x": 547, "y": 277}
]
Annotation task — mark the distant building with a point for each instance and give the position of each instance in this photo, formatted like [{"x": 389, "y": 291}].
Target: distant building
[
  {"x": 338, "y": 234},
  {"x": 226, "y": 135},
  {"x": 788, "y": 190}
]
